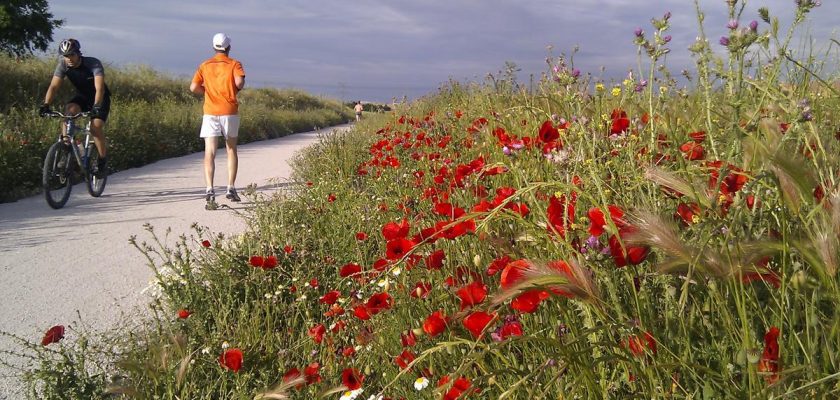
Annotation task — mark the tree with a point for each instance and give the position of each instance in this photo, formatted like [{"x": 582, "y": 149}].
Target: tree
[{"x": 26, "y": 26}]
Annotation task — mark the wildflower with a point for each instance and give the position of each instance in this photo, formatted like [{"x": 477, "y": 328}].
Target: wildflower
[
  {"x": 405, "y": 358},
  {"x": 351, "y": 394},
  {"x": 769, "y": 362},
  {"x": 724, "y": 41},
  {"x": 184, "y": 313},
  {"x": 205, "y": 243},
  {"x": 616, "y": 91},
  {"x": 599, "y": 87},
  {"x": 231, "y": 359},
  {"x": 477, "y": 321},
  {"x": 434, "y": 324},
  {"x": 53, "y": 335},
  {"x": 472, "y": 294},
  {"x": 361, "y": 236},
  {"x": 351, "y": 379},
  {"x": 638, "y": 32},
  {"x": 754, "y": 26},
  {"x": 732, "y": 24},
  {"x": 421, "y": 383}
]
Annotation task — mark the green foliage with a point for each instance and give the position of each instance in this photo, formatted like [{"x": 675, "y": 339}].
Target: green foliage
[
  {"x": 153, "y": 117},
  {"x": 26, "y": 26},
  {"x": 729, "y": 192}
]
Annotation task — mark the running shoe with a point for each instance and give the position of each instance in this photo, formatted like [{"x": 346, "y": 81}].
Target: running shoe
[{"x": 232, "y": 196}]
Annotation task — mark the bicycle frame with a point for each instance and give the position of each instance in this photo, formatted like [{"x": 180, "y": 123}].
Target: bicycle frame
[{"x": 68, "y": 137}]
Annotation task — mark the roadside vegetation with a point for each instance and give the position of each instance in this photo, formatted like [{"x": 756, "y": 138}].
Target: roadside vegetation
[
  {"x": 153, "y": 117},
  {"x": 588, "y": 239}
]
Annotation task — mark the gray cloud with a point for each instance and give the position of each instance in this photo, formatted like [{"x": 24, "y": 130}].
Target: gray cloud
[{"x": 376, "y": 50}]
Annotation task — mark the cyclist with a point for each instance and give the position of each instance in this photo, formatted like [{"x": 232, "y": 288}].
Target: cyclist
[
  {"x": 88, "y": 77},
  {"x": 219, "y": 79}
]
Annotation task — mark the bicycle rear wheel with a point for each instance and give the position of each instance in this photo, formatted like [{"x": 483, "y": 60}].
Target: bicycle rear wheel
[
  {"x": 94, "y": 179},
  {"x": 57, "y": 175}
]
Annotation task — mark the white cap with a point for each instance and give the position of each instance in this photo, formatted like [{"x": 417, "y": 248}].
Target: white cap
[{"x": 221, "y": 41}]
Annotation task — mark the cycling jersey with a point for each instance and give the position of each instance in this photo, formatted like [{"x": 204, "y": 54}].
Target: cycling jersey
[{"x": 82, "y": 76}]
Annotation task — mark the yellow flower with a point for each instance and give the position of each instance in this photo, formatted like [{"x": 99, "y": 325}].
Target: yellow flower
[
  {"x": 616, "y": 91},
  {"x": 663, "y": 90},
  {"x": 627, "y": 82},
  {"x": 599, "y": 87}
]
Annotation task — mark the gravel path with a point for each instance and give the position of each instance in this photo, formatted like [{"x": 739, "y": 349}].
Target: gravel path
[{"x": 56, "y": 265}]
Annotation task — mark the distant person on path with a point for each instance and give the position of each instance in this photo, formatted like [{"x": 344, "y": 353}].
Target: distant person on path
[
  {"x": 219, "y": 79},
  {"x": 358, "y": 108},
  {"x": 88, "y": 77}
]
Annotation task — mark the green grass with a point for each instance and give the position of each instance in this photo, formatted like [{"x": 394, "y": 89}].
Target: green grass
[{"x": 726, "y": 249}]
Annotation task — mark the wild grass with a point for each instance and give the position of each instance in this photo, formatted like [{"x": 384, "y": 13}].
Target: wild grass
[{"x": 585, "y": 240}]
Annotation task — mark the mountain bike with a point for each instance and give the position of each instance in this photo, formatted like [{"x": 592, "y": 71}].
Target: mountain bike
[{"x": 66, "y": 157}]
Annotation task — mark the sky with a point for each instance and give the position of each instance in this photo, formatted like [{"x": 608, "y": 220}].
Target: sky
[{"x": 384, "y": 50}]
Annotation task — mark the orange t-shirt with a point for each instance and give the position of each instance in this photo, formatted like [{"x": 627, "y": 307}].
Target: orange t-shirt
[{"x": 216, "y": 75}]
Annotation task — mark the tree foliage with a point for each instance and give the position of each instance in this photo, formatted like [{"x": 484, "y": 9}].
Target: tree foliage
[{"x": 26, "y": 26}]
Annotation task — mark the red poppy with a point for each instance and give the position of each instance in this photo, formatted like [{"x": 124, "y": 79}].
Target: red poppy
[
  {"x": 288, "y": 249},
  {"x": 291, "y": 375},
  {"x": 548, "y": 133},
  {"x": 312, "y": 374},
  {"x": 435, "y": 260},
  {"x": 459, "y": 387},
  {"x": 397, "y": 248},
  {"x": 477, "y": 321},
  {"x": 269, "y": 262},
  {"x": 509, "y": 329},
  {"x": 513, "y": 273},
  {"x": 317, "y": 333},
  {"x": 629, "y": 255},
  {"x": 331, "y": 198},
  {"x": 379, "y": 302},
  {"x": 361, "y": 312},
  {"x": 256, "y": 261},
  {"x": 405, "y": 358},
  {"x": 620, "y": 122},
  {"x": 560, "y": 214},
  {"x": 434, "y": 324},
  {"x": 349, "y": 269},
  {"x": 529, "y": 300},
  {"x": 769, "y": 362},
  {"x": 408, "y": 338},
  {"x": 392, "y": 230},
  {"x": 53, "y": 335},
  {"x": 637, "y": 345},
  {"x": 351, "y": 379},
  {"x": 597, "y": 220},
  {"x": 688, "y": 212},
  {"x": 205, "y": 243},
  {"x": 313, "y": 283},
  {"x": 231, "y": 359},
  {"x": 692, "y": 151},
  {"x": 184, "y": 313},
  {"x": 330, "y": 298},
  {"x": 472, "y": 294},
  {"x": 361, "y": 236}
]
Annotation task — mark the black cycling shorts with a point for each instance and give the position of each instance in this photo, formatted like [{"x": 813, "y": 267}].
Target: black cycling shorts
[{"x": 86, "y": 104}]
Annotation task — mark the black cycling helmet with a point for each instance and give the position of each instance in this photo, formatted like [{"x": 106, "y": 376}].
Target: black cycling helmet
[{"x": 69, "y": 46}]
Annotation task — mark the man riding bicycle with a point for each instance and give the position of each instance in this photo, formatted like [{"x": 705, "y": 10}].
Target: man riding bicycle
[{"x": 88, "y": 77}]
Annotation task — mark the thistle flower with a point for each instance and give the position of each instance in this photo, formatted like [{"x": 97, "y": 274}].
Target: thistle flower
[
  {"x": 754, "y": 25},
  {"x": 724, "y": 41},
  {"x": 639, "y": 32},
  {"x": 733, "y": 24}
]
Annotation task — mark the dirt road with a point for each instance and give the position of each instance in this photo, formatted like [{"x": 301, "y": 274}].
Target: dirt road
[{"x": 57, "y": 263}]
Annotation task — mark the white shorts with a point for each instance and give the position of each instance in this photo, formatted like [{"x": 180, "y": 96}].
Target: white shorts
[{"x": 220, "y": 125}]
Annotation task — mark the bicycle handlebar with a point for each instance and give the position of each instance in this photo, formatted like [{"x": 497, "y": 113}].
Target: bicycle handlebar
[{"x": 58, "y": 114}]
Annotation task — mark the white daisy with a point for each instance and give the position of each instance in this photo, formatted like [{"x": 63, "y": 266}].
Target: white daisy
[
  {"x": 351, "y": 394},
  {"x": 421, "y": 383}
]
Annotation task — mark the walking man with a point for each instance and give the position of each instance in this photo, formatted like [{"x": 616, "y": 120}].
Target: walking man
[
  {"x": 358, "y": 108},
  {"x": 219, "y": 79}
]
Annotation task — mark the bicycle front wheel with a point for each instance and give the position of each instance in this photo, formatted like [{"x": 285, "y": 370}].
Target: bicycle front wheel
[
  {"x": 57, "y": 175},
  {"x": 95, "y": 179}
]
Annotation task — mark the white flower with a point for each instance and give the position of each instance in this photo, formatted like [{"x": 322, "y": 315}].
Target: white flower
[
  {"x": 351, "y": 394},
  {"x": 205, "y": 350},
  {"x": 421, "y": 383},
  {"x": 375, "y": 397},
  {"x": 225, "y": 344},
  {"x": 382, "y": 282},
  {"x": 396, "y": 271}
]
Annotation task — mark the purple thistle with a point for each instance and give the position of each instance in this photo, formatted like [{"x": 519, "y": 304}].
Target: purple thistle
[
  {"x": 575, "y": 73},
  {"x": 733, "y": 24},
  {"x": 667, "y": 15},
  {"x": 753, "y": 25},
  {"x": 724, "y": 41},
  {"x": 639, "y": 32},
  {"x": 666, "y": 38}
]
